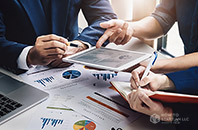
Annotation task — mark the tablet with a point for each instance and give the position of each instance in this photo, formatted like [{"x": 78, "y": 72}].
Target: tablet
[{"x": 107, "y": 58}]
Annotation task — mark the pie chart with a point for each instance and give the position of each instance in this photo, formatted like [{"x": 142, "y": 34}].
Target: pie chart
[
  {"x": 71, "y": 74},
  {"x": 84, "y": 125}
]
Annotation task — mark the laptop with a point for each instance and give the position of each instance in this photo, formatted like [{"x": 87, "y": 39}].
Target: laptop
[{"x": 16, "y": 97}]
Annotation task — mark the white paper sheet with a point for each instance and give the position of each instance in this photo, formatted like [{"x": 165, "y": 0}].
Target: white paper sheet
[
  {"x": 57, "y": 119},
  {"x": 69, "y": 88},
  {"x": 105, "y": 106}
]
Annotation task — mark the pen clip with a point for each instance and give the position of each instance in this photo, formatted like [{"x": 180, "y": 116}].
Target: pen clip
[{"x": 155, "y": 54}]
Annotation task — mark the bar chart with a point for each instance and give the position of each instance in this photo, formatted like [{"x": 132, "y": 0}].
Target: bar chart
[
  {"x": 105, "y": 76},
  {"x": 44, "y": 81},
  {"x": 52, "y": 122}
]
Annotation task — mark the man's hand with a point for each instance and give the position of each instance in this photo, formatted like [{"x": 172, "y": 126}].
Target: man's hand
[
  {"x": 69, "y": 51},
  {"x": 58, "y": 63},
  {"x": 152, "y": 81},
  {"x": 139, "y": 101},
  {"x": 118, "y": 32},
  {"x": 47, "y": 49},
  {"x": 72, "y": 50}
]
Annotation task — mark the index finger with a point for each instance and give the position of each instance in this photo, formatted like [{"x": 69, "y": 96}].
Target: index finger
[
  {"x": 112, "y": 23},
  {"x": 145, "y": 99},
  {"x": 136, "y": 73},
  {"x": 53, "y": 37},
  {"x": 103, "y": 38},
  {"x": 54, "y": 44}
]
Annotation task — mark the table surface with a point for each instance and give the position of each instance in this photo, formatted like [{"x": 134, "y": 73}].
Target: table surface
[{"x": 143, "y": 123}]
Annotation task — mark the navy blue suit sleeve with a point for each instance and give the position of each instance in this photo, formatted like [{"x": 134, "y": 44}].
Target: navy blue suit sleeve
[
  {"x": 9, "y": 50},
  {"x": 185, "y": 81},
  {"x": 95, "y": 12}
]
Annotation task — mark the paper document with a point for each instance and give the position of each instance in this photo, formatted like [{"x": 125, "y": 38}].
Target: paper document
[
  {"x": 54, "y": 119},
  {"x": 78, "y": 90},
  {"x": 105, "y": 106}
]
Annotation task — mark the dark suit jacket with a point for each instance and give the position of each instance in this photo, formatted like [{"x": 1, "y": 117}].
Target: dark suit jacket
[{"x": 22, "y": 21}]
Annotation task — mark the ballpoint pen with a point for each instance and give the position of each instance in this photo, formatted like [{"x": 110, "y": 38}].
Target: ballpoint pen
[
  {"x": 70, "y": 44},
  {"x": 73, "y": 45},
  {"x": 150, "y": 64}
]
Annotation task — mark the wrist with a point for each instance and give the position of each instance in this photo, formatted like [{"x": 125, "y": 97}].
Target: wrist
[
  {"x": 167, "y": 115},
  {"x": 132, "y": 28},
  {"x": 29, "y": 58},
  {"x": 22, "y": 59},
  {"x": 166, "y": 84}
]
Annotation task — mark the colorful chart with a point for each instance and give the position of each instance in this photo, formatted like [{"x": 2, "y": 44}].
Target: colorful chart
[
  {"x": 71, "y": 74},
  {"x": 105, "y": 76},
  {"x": 84, "y": 125}
]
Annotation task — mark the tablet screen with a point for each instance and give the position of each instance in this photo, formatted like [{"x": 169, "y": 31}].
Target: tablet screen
[{"x": 107, "y": 57}]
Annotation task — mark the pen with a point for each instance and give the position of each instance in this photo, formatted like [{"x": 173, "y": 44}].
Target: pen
[
  {"x": 73, "y": 45},
  {"x": 151, "y": 63}
]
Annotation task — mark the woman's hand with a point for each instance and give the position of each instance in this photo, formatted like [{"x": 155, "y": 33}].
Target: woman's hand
[{"x": 152, "y": 81}]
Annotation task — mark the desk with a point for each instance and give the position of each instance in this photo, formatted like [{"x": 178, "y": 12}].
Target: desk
[{"x": 143, "y": 123}]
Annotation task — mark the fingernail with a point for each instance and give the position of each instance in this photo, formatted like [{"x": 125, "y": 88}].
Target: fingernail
[{"x": 119, "y": 31}]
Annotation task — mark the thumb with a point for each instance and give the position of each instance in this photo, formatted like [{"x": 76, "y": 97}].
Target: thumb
[
  {"x": 145, "y": 81},
  {"x": 105, "y": 24},
  {"x": 109, "y": 24}
]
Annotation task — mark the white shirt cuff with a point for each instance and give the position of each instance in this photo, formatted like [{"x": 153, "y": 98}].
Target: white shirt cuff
[
  {"x": 22, "y": 59},
  {"x": 86, "y": 43}
]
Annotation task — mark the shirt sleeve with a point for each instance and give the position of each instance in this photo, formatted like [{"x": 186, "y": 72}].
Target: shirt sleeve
[
  {"x": 165, "y": 14},
  {"x": 95, "y": 12},
  {"x": 21, "y": 61},
  {"x": 185, "y": 81}
]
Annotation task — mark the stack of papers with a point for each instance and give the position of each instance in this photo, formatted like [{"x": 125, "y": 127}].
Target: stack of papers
[{"x": 80, "y": 99}]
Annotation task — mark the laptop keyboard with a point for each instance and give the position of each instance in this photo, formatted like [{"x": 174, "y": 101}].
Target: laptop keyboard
[{"x": 7, "y": 105}]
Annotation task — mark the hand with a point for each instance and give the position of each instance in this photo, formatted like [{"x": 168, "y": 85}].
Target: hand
[
  {"x": 139, "y": 101},
  {"x": 72, "y": 50},
  {"x": 47, "y": 49},
  {"x": 69, "y": 51},
  {"x": 58, "y": 63},
  {"x": 152, "y": 81},
  {"x": 118, "y": 32}
]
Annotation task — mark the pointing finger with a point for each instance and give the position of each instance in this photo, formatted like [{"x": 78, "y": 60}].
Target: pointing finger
[{"x": 103, "y": 38}]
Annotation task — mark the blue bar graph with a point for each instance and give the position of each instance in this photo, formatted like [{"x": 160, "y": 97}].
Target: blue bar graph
[
  {"x": 105, "y": 76},
  {"x": 43, "y": 81},
  {"x": 52, "y": 122}
]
